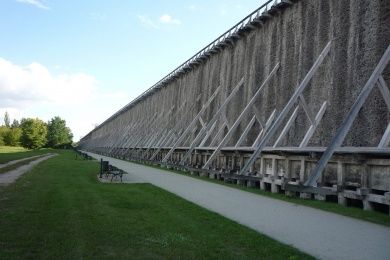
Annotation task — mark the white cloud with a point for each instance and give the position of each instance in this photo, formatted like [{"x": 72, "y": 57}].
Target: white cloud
[
  {"x": 36, "y": 3},
  {"x": 146, "y": 21},
  {"x": 164, "y": 19},
  {"x": 33, "y": 91},
  {"x": 167, "y": 19},
  {"x": 21, "y": 86}
]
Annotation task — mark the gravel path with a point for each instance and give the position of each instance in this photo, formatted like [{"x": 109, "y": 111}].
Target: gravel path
[
  {"x": 11, "y": 176},
  {"x": 321, "y": 234}
]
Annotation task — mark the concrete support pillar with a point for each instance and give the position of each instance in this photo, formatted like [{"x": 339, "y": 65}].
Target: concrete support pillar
[
  {"x": 367, "y": 204},
  {"x": 240, "y": 182},
  {"x": 304, "y": 195},
  {"x": 289, "y": 193},
  {"x": 287, "y": 174},
  {"x": 251, "y": 169},
  {"x": 319, "y": 197},
  {"x": 302, "y": 171},
  {"x": 275, "y": 188},
  {"x": 251, "y": 184},
  {"x": 203, "y": 174},
  {"x": 342, "y": 200},
  {"x": 340, "y": 173},
  {"x": 262, "y": 185},
  {"x": 262, "y": 167}
]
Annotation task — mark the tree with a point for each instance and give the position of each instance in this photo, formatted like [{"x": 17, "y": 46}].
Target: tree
[
  {"x": 3, "y": 133},
  {"x": 15, "y": 123},
  {"x": 34, "y": 133},
  {"x": 58, "y": 134},
  {"x": 12, "y": 136},
  {"x": 6, "y": 119}
]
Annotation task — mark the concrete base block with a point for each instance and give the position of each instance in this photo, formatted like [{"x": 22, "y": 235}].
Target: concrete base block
[
  {"x": 319, "y": 197},
  {"x": 203, "y": 174},
  {"x": 367, "y": 205},
  {"x": 304, "y": 195},
  {"x": 274, "y": 188},
  {"x": 194, "y": 173},
  {"x": 262, "y": 185},
  {"x": 387, "y": 196},
  {"x": 362, "y": 191},
  {"x": 240, "y": 182},
  {"x": 251, "y": 184},
  {"x": 212, "y": 176},
  {"x": 290, "y": 193},
  {"x": 342, "y": 200}
]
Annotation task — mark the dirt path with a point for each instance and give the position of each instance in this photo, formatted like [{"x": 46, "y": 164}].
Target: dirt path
[
  {"x": 9, "y": 177},
  {"x": 20, "y": 160},
  {"x": 322, "y": 234}
]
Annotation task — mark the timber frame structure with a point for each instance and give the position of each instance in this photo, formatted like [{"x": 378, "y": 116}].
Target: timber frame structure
[{"x": 210, "y": 144}]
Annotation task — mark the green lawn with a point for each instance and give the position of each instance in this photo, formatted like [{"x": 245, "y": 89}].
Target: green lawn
[
  {"x": 9, "y": 153},
  {"x": 59, "y": 210},
  {"x": 12, "y": 149},
  {"x": 371, "y": 216}
]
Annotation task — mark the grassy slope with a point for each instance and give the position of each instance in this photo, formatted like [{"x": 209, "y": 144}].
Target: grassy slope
[
  {"x": 8, "y": 153},
  {"x": 371, "y": 216},
  {"x": 59, "y": 210}
]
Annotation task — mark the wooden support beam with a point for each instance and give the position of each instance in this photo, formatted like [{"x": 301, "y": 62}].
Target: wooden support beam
[
  {"x": 384, "y": 90},
  {"x": 265, "y": 129},
  {"x": 246, "y": 131},
  {"x": 211, "y": 122},
  {"x": 279, "y": 120},
  {"x": 191, "y": 125},
  {"x": 350, "y": 118},
  {"x": 287, "y": 127},
  {"x": 314, "y": 125},
  {"x": 241, "y": 117}
]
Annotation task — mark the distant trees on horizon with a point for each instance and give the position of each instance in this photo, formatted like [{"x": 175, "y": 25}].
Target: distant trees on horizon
[{"x": 33, "y": 133}]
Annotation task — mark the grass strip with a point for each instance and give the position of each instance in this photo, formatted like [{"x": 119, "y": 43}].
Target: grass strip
[
  {"x": 12, "y": 149},
  {"x": 371, "y": 216},
  {"x": 6, "y": 156},
  {"x": 60, "y": 211},
  {"x": 17, "y": 165}
]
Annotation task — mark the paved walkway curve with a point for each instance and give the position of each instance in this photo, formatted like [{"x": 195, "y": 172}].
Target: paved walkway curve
[
  {"x": 321, "y": 234},
  {"x": 11, "y": 176}
]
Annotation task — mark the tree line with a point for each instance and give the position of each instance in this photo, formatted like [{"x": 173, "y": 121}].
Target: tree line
[{"x": 34, "y": 133}]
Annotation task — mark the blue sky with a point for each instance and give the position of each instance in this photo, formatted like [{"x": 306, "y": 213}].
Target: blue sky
[{"x": 84, "y": 60}]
